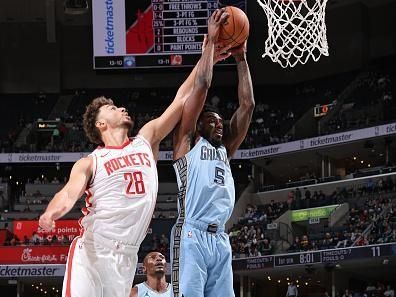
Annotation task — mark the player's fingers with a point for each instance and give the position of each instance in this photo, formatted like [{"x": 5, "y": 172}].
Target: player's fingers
[
  {"x": 219, "y": 14},
  {"x": 224, "y": 56},
  {"x": 214, "y": 15},
  {"x": 224, "y": 17}
]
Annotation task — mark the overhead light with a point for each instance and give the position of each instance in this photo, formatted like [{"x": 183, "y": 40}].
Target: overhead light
[
  {"x": 368, "y": 165},
  {"x": 306, "y": 284},
  {"x": 362, "y": 162},
  {"x": 354, "y": 157},
  {"x": 287, "y": 278},
  {"x": 269, "y": 278},
  {"x": 279, "y": 281}
]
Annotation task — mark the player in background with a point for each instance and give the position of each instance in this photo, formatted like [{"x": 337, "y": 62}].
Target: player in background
[
  {"x": 154, "y": 266},
  {"x": 201, "y": 251},
  {"x": 121, "y": 182}
]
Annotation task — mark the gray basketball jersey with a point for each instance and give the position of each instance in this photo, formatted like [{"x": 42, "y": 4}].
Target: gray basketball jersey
[
  {"x": 145, "y": 291},
  {"x": 206, "y": 185}
]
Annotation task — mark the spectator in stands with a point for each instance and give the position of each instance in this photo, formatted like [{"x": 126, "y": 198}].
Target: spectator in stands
[
  {"x": 305, "y": 244},
  {"x": 342, "y": 239},
  {"x": 296, "y": 246},
  {"x": 55, "y": 180},
  {"x": 164, "y": 243},
  {"x": 389, "y": 292},
  {"x": 370, "y": 288},
  {"x": 26, "y": 240},
  {"x": 327, "y": 242},
  {"x": 297, "y": 196},
  {"x": 65, "y": 240},
  {"x": 292, "y": 290},
  {"x": 265, "y": 247},
  {"x": 155, "y": 242},
  {"x": 54, "y": 240},
  {"x": 35, "y": 239},
  {"x": 254, "y": 252},
  {"x": 14, "y": 240},
  {"x": 307, "y": 198},
  {"x": 347, "y": 293}
]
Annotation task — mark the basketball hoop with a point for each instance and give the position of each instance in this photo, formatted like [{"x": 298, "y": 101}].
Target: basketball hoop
[{"x": 296, "y": 31}]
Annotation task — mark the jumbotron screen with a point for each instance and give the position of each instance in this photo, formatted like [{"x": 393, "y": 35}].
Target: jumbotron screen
[{"x": 151, "y": 33}]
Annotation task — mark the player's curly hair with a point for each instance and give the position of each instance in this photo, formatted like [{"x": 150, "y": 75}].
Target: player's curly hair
[{"x": 90, "y": 118}]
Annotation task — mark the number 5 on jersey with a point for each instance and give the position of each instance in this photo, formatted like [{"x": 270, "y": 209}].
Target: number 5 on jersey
[
  {"x": 219, "y": 176},
  {"x": 135, "y": 183}
]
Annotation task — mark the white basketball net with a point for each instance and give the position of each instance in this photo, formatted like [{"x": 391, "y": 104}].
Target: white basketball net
[{"x": 296, "y": 31}]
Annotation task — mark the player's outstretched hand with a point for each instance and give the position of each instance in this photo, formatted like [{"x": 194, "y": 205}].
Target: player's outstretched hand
[
  {"x": 221, "y": 52},
  {"x": 46, "y": 222},
  {"x": 239, "y": 52},
  {"x": 215, "y": 21}
]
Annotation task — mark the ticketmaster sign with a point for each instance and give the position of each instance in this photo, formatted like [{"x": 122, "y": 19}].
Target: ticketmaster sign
[
  {"x": 272, "y": 150},
  {"x": 312, "y": 213}
]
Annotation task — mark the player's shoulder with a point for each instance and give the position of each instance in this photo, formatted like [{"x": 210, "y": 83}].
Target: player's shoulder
[
  {"x": 85, "y": 163},
  {"x": 134, "y": 292}
]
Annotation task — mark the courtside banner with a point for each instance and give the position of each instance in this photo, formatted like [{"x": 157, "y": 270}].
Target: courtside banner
[
  {"x": 70, "y": 228},
  {"x": 316, "y": 142},
  {"x": 41, "y": 157},
  {"x": 272, "y": 150},
  {"x": 108, "y": 17},
  {"x": 33, "y": 254},
  {"x": 9, "y": 271}
]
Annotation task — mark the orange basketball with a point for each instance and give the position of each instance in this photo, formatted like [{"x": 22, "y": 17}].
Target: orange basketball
[{"x": 236, "y": 29}]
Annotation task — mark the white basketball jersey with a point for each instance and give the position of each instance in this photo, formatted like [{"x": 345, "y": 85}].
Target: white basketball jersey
[
  {"x": 122, "y": 191},
  {"x": 145, "y": 291}
]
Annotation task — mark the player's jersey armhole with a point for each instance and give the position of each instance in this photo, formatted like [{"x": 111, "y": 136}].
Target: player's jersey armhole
[
  {"x": 94, "y": 169},
  {"x": 186, "y": 155},
  {"x": 146, "y": 142}
]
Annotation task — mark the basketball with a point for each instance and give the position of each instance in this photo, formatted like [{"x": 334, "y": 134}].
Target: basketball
[{"x": 236, "y": 29}]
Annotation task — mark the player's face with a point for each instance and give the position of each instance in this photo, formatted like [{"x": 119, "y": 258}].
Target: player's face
[
  {"x": 155, "y": 264},
  {"x": 212, "y": 128},
  {"x": 115, "y": 117}
]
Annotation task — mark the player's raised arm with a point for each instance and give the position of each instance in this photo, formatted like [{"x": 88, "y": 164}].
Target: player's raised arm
[
  {"x": 203, "y": 79},
  {"x": 242, "y": 117},
  {"x": 65, "y": 199},
  {"x": 156, "y": 130}
]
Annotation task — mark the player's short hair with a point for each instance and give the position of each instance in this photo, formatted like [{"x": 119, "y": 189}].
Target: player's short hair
[
  {"x": 90, "y": 118},
  {"x": 209, "y": 108}
]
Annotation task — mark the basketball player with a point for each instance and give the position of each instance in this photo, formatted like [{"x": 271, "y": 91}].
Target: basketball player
[
  {"x": 154, "y": 266},
  {"x": 201, "y": 251},
  {"x": 121, "y": 182}
]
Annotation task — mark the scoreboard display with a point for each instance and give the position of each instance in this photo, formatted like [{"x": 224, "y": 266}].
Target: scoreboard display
[{"x": 155, "y": 33}]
